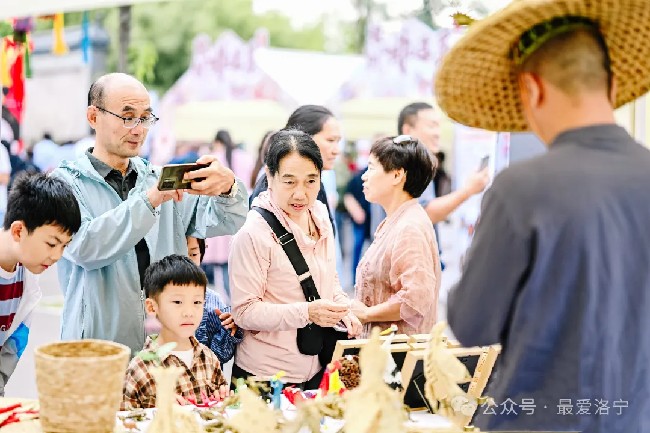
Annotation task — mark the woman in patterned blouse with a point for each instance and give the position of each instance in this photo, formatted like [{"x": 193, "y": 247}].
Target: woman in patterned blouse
[{"x": 398, "y": 278}]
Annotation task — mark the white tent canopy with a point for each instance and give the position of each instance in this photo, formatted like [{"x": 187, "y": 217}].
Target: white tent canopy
[{"x": 24, "y": 8}]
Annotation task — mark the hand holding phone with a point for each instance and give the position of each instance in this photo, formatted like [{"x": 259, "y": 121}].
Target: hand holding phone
[
  {"x": 172, "y": 176},
  {"x": 484, "y": 163},
  {"x": 341, "y": 327}
]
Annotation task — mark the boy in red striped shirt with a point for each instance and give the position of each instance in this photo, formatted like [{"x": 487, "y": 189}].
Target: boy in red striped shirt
[{"x": 42, "y": 215}]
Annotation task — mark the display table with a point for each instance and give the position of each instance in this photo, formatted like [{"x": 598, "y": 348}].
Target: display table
[{"x": 421, "y": 420}]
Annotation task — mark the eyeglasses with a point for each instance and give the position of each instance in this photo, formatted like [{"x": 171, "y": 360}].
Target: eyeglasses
[
  {"x": 402, "y": 139},
  {"x": 132, "y": 122}
]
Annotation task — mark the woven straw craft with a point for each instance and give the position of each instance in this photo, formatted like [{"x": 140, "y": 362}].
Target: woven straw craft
[
  {"x": 80, "y": 385},
  {"x": 476, "y": 84},
  {"x": 169, "y": 417}
]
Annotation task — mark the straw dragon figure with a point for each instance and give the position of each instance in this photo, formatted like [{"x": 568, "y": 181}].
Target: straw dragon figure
[{"x": 443, "y": 372}]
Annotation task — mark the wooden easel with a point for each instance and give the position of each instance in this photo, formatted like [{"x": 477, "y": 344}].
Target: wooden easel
[
  {"x": 487, "y": 357},
  {"x": 400, "y": 343}
]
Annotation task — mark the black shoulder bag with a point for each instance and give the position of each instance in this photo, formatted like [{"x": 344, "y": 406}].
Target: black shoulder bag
[{"x": 312, "y": 339}]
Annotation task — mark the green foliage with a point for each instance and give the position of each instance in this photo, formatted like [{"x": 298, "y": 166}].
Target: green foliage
[
  {"x": 161, "y": 34},
  {"x": 6, "y": 29},
  {"x": 70, "y": 19},
  {"x": 156, "y": 353},
  {"x": 143, "y": 58}
]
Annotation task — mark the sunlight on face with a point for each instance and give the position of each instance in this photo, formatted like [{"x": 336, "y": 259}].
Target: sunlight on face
[
  {"x": 179, "y": 310},
  {"x": 43, "y": 247},
  {"x": 427, "y": 129},
  {"x": 127, "y": 99},
  {"x": 328, "y": 140},
  {"x": 377, "y": 183},
  {"x": 295, "y": 186}
]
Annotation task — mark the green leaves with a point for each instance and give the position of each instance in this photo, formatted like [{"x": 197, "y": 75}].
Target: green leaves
[
  {"x": 144, "y": 57},
  {"x": 156, "y": 353},
  {"x": 165, "y": 350},
  {"x": 162, "y": 34},
  {"x": 6, "y": 29}
]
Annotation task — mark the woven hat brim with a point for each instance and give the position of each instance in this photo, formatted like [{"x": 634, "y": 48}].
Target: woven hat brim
[{"x": 476, "y": 84}]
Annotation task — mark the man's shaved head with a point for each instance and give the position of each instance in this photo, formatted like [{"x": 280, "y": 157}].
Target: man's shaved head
[
  {"x": 574, "y": 62},
  {"x": 98, "y": 90}
]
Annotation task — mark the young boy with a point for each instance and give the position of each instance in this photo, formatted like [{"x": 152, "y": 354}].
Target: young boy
[
  {"x": 217, "y": 329},
  {"x": 42, "y": 215},
  {"x": 175, "y": 289}
]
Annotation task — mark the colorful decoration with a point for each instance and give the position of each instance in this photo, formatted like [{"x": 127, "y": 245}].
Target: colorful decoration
[
  {"x": 85, "y": 37},
  {"x": 331, "y": 382},
  {"x": 18, "y": 412},
  {"x": 60, "y": 47},
  {"x": 277, "y": 386}
]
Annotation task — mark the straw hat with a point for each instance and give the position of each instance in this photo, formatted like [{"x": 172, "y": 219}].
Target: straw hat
[{"x": 477, "y": 86}]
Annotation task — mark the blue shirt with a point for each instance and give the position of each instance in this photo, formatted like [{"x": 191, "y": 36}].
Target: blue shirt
[{"x": 212, "y": 334}]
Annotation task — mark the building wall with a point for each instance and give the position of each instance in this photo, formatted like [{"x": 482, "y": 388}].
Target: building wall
[{"x": 56, "y": 95}]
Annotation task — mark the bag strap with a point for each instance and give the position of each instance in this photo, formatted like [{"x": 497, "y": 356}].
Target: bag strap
[{"x": 288, "y": 243}]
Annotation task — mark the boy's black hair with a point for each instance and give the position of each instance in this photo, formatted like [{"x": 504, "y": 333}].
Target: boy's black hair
[
  {"x": 39, "y": 200},
  {"x": 173, "y": 269}
]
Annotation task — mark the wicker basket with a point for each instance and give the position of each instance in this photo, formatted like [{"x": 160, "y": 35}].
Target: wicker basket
[{"x": 80, "y": 385}]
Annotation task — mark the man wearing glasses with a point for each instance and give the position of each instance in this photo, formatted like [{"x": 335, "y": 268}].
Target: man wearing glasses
[{"x": 127, "y": 222}]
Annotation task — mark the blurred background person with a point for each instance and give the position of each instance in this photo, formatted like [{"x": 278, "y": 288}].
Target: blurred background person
[
  {"x": 258, "y": 169},
  {"x": 215, "y": 261}
]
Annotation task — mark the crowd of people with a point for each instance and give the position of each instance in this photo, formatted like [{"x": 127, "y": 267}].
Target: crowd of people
[{"x": 546, "y": 277}]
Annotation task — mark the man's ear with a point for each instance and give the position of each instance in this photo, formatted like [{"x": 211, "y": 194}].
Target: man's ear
[
  {"x": 91, "y": 116},
  {"x": 150, "y": 306},
  {"x": 612, "y": 91},
  {"x": 532, "y": 89},
  {"x": 17, "y": 230}
]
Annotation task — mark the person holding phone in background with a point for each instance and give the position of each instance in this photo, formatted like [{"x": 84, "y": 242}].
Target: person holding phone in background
[{"x": 127, "y": 222}]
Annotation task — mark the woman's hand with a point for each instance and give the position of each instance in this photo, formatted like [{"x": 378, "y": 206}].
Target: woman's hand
[
  {"x": 353, "y": 324},
  {"x": 326, "y": 313},
  {"x": 360, "y": 310}
]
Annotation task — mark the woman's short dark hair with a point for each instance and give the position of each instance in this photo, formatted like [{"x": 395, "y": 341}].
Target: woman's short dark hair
[
  {"x": 173, "y": 269},
  {"x": 287, "y": 141},
  {"x": 40, "y": 199},
  {"x": 411, "y": 155},
  {"x": 309, "y": 118}
]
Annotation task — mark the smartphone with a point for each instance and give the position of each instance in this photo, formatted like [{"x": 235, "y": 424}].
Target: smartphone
[
  {"x": 484, "y": 162},
  {"x": 172, "y": 176},
  {"x": 340, "y": 327}
]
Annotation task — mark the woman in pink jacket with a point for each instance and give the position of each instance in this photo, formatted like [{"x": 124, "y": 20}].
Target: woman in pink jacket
[{"x": 267, "y": 299}]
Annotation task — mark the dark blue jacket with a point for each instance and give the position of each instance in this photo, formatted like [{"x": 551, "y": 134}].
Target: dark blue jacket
[{"x": 558, "y": 275}]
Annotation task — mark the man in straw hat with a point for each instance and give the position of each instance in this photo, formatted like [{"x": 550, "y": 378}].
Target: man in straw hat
[{"x": 558, "y": 270}]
